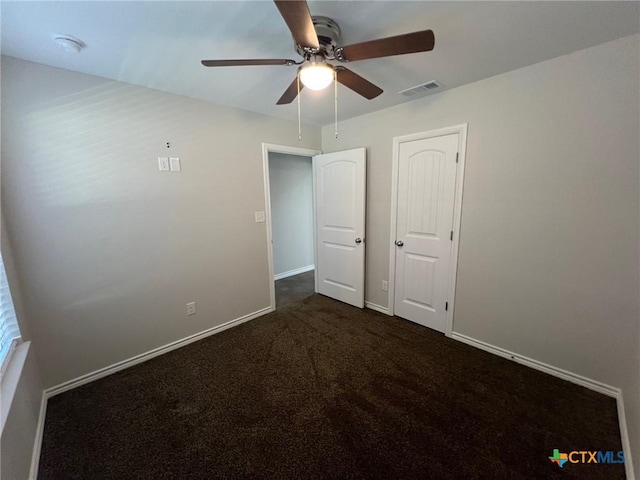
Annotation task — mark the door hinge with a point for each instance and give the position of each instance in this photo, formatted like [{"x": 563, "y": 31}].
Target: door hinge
[
  {"x": 457, "y": 157},
  {"x": 451, "y": 238},
  {"x": 446, "y": 306}
]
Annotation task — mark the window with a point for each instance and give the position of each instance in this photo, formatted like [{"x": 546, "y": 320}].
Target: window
[{"x": 9, "y": 333}]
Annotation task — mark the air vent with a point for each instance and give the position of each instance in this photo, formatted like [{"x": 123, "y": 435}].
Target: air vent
[{"x": 424, "y": 88}]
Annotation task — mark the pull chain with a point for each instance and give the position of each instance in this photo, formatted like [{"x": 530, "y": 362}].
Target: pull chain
[
  {"x": 299, "y": 126},
  {"x": 335, "y": 103}
]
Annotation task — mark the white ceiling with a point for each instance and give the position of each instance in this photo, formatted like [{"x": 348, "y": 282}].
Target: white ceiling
[{"x": 160, "y": 44}]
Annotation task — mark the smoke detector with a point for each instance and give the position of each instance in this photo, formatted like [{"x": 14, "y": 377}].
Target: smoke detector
[{"x": 69, "y": 43}]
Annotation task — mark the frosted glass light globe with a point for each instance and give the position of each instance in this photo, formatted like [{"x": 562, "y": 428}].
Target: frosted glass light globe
[{"x": 316, "y": 76}]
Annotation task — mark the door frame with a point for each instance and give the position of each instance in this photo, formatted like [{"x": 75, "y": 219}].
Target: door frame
[
  {"x": 268, "y": 148},
  {"x": 461, "y": 130}
]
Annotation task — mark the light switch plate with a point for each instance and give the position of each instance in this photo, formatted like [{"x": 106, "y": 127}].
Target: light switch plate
[
  {"x": 175, "y": 164},
  {"x": 163, "y": 164},
  {"x": 260, "y": 217}
]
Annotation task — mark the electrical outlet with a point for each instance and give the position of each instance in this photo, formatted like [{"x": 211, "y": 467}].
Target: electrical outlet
[
  {"x": 385, "y": 286},
  {"x": 260, "y": 218},
  {"x": 191, "y": 308}
]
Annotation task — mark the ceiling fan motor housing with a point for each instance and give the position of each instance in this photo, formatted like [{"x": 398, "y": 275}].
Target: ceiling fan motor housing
[{"x": 328, "y": 33}]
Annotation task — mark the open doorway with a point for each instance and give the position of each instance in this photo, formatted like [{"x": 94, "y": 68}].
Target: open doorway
[
  {"x": 291, "y": 226},
  {"x": 292, "y": 231}
]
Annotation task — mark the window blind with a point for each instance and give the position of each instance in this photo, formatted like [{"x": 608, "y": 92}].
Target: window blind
[{"x": 9, "y": 332}]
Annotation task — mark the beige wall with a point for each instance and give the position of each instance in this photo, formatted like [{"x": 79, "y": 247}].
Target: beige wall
[
  {"x": 548, "y": 259},
  {"x": 19, "y": 433},
  {"x": 24, "y": 380},
  {"x": 109, "y": 248}
]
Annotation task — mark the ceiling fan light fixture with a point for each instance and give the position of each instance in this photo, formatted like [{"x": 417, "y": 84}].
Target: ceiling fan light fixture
[{"x": 316, "y": 76}]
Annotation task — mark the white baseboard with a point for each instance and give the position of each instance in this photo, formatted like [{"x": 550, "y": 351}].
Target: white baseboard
[
  {"x": 296, "y": 271},
  {"x": 549, "y": 369},
  {"x": 377, "y": 308},
  {"x": 570, "y": 377},
  {"x": 116, "y": 367},
  {"x": 624, "y": 434},
  {"x": 37, "y": 445},
  {"x": 543, "y": 367},
  {"x": 143, "y": 357}
]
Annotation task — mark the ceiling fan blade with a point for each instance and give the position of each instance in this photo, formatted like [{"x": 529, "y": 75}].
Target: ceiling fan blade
[
  {"x": 290, "y": 93},
  {"x": 297, "y": 17},
  {"x": 422, "y": 41},
  {"x": 240, "y": 63},
  {"x": 356, "y": 83}
]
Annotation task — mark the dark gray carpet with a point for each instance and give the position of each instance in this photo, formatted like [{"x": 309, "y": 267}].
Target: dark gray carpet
[
  {"x": 321, "y": 390},
  {"x": 293, "y": 289}
]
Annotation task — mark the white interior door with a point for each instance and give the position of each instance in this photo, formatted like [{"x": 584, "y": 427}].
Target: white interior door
[
  {"x": 426, "y": 194},
  {"x": 340, "y": 180}
]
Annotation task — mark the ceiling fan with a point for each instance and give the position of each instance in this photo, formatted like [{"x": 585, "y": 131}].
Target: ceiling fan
[{"x": 316, "y": 40}]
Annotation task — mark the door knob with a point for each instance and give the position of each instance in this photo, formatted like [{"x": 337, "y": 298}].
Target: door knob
[
  {"x": 358, "y": 240},
  {"x": 399, "y": 243}
]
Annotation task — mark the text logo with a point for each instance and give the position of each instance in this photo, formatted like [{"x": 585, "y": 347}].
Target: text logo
[{"x": 582, "y": 456}]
